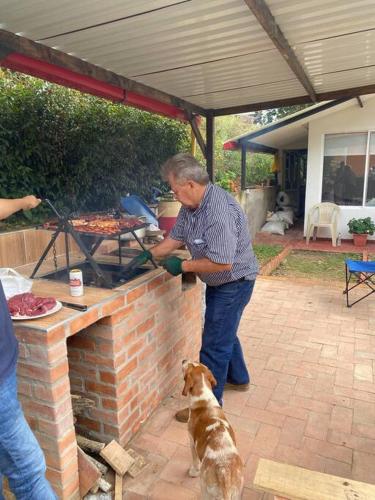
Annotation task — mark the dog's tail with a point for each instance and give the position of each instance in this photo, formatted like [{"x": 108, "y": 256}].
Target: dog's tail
[
  {"x": 229, "y": 483},
  {"x": 223, "y": 481}
]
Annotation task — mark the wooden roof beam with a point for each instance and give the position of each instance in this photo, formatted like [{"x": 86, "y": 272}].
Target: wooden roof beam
[
  {"x": 261, "y": 11},
  {"x": 292, "y": 101},
  {"x": 11, "y": 43},
  {"x": 197, "y": 133}
]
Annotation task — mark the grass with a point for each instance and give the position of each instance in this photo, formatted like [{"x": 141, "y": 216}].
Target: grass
[
  {"x": 324, "y": 266},
  {"x": 265, "y": 253}
]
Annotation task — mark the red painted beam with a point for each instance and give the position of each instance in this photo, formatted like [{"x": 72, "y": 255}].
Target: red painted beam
[
  {"x": 149, "y": 104},
  {"x": 68, "y": 78},
  {"x": 230, "y": 145}
]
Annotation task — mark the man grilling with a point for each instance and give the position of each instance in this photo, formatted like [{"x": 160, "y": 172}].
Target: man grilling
[{"x": 213, "y": 226}]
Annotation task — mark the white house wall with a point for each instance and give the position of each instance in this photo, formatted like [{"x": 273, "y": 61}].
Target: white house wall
[{"x": 352, "y": 119}]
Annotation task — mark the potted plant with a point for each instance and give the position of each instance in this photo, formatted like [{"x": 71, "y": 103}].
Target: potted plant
[{"x": 360, "y": 229}]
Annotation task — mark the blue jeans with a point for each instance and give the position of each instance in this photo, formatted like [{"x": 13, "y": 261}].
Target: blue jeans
[
  {"x": 21, "y": 458},
  {"x": 221, "y": 349}
]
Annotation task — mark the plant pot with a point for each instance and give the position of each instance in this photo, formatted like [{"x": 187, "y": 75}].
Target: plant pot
[{"x": 360, "y": 240}]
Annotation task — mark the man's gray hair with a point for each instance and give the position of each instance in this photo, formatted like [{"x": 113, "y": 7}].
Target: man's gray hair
[{"x": 184, "y": 167}]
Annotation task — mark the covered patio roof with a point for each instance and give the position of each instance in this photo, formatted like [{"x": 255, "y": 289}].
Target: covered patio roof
[
  {"x": 290, "y": 129},
  {"x": 184, "y": 58},
  {"x": 216, "y": 56}
]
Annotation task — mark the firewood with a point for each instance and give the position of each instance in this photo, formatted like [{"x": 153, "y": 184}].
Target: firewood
[
  {"x": 95, "y": 488},
  {"x": 80, "y": 404},
  {"x": 99, "y": 496},
  {"x": 117, "y": 457},
  {"x": 104, "y": 485},
  {"x": 103, "y": 468},
  {"x": 89, "y": 445}
]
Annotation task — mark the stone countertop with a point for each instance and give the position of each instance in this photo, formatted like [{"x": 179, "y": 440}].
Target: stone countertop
[{"x": 98, "y": 301}]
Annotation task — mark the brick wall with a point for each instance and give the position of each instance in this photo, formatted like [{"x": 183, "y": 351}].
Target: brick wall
[
  {"x": 128, "y": 361},
  {"x": 125, "y": 354}
]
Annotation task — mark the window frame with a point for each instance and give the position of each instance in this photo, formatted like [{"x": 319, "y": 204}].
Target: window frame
[{"x": 367, "y": 166}]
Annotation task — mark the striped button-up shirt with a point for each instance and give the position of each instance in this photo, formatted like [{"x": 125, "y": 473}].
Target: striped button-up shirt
[{"x": 218, "y": 230}]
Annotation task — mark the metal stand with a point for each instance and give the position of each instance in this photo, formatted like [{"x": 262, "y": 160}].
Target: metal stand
[
  {"x": 64, "y": 226},
  {"x": 363, "y": 278}
]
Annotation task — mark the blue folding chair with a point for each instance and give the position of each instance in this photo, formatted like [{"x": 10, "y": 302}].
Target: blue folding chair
[{"x": 363, "y": 272}]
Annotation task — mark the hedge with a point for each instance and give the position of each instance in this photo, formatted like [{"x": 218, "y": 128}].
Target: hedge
[{"x": 80, "y": 151}]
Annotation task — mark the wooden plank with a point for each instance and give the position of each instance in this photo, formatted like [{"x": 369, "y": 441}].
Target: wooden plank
[
  {"x": 81, "y": 404},
  {"x": 296, "y": 483},
  {"x": 261, "y": 11},
  {"x": 118, "y": 487},
  {"x": 14, "y": 43},
  {"x": 349, "y": 93},
  {"x": 89, "y": 474},
  {"x": 197, "y": 133},
  {"x": 243, "y": 166},
  {"x": 210, "y": 145},
  {"x": 117, "y": 457}
]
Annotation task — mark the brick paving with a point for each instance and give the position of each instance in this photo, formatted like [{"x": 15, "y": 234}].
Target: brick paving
[{"x": 312, "y": 395}]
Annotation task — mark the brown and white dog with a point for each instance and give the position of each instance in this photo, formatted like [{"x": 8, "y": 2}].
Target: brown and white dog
[{"x": 213, "y": 444}]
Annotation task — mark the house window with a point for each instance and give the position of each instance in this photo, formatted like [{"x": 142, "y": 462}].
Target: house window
[
  {"x": 344, "y": 168},
  {"x": 370, "y": 195}
]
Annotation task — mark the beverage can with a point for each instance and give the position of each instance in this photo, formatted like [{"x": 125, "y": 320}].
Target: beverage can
[{"x": 76, "y": 283}]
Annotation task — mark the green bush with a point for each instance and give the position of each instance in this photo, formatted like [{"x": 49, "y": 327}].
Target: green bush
[
  {"x": 228, "y": 163},
  {"x": 80, "y": 151},
  {"x": 227, "y": 180}
]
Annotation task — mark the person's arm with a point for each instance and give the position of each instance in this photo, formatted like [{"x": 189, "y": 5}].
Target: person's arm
[
  {"x": 204, "y": 266},
  {"x": 165, "y": 247},
  {"x": 9, "y": 207}
]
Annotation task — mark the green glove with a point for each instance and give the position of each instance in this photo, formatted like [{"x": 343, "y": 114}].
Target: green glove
[
  {"x": 141, "y": 259},
  {"x": 173, "y": 265}
]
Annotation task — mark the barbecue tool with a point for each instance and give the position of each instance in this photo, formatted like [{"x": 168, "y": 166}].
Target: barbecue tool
[
  {"x": 65, "y": 226},
  {"x": 78, "y": 307},
  {"x": 133, "y": 264}
]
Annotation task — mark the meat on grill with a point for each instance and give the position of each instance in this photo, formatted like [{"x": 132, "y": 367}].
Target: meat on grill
[
  {"x": 27, "y": 304},
  {"x": 99, "y": 224}
]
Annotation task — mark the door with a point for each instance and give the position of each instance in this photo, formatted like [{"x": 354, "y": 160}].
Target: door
[{"x": 295, "y": 166}]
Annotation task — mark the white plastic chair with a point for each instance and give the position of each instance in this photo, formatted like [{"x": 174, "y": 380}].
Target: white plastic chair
[{"x": 323, "y": 215}]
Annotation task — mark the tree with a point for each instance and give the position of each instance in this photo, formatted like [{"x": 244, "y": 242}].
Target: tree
[
  {"x": 266, "y": 116},
  {"x": 228, "y": 163}
]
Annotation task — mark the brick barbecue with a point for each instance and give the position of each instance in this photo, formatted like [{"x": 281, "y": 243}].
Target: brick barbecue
[{"x": 124, "y": 352}]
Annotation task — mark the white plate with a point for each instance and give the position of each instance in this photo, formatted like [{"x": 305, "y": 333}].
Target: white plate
[{"x": 54, "y": 310}]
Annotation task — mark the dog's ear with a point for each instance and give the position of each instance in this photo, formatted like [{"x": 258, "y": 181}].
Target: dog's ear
[
  {"x": 211, "y": 378},
  {"x": 188, "y": 384}
]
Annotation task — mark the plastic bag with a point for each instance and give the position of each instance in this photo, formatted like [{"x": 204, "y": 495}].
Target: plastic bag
[
  {"x": 274, "y": 227},
  {"x": 13, "y": 282},
  {"x": 283, "y": 216},
  {"x": 282, "y": 199}
]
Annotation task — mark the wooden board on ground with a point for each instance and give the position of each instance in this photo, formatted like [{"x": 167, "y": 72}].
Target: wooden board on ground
[
  {"x": 296, "y": 483},
  {"x": 88, "y": 473},
  {"x": 117, "y": 457},
  {"x": 118, "y": 487}
]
